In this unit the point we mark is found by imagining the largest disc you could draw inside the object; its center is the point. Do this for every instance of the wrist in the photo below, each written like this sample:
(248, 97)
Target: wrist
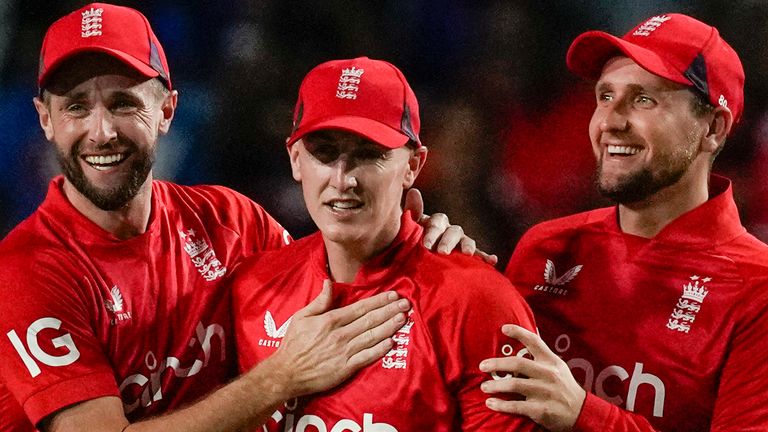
(272, 377)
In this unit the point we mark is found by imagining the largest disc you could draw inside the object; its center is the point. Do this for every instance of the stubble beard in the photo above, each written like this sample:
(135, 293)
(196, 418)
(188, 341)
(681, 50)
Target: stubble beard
(638, 186)
(113, 198)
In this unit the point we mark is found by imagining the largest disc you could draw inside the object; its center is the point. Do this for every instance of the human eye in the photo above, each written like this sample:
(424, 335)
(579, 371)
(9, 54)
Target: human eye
(325, 153)
(644, 100)
(76, 109)
(372, 153)
(604, 96)
(124, 105)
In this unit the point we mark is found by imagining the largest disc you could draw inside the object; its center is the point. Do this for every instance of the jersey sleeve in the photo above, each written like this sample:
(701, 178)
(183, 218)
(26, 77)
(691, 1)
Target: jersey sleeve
(740, 403)
(741, 398)
(245, 299)
(479, 303)
(50, 357)
(258, 229)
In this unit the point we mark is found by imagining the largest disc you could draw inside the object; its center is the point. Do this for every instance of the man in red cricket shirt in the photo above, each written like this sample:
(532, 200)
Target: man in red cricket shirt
(655, 311)
(355, 149)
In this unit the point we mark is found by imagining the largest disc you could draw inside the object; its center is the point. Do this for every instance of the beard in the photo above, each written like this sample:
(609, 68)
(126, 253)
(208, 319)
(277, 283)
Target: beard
(113, 198)
(640, 185)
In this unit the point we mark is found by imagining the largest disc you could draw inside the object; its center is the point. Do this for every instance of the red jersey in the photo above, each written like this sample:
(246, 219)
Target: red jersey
(147, 319)
(431, 379)
(672, 329)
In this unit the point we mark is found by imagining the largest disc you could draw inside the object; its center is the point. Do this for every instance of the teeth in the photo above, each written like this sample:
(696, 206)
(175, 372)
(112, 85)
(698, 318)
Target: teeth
(344, 204)
(104, 160)
(627, 150)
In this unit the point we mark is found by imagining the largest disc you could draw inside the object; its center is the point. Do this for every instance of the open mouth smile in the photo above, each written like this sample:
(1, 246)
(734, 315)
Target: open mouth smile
(105, 162)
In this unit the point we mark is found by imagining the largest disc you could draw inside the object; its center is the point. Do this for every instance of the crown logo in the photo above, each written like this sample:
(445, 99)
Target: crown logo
(651, 25)
(91, 24)
(348, 82)
(349, 73)
(692, 291)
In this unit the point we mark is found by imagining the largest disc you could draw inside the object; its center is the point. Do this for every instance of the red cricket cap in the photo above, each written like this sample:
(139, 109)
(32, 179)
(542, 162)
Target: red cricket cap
(119, 31)
(672, 46)
(367, 97)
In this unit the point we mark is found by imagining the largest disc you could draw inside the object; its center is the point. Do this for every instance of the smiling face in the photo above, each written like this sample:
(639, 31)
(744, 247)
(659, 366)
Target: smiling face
(353, 187)
(644, 132)
(104, 120)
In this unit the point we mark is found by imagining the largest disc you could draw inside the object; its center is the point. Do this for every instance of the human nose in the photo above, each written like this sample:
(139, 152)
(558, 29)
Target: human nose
(101, 129)
(613, 117)
(343, 175)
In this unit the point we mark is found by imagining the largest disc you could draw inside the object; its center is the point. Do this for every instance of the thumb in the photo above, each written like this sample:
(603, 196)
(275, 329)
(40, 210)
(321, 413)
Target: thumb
(321, 303)
(414, 203)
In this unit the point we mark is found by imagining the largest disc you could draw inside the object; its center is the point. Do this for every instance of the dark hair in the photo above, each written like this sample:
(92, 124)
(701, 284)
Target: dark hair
(700, 104)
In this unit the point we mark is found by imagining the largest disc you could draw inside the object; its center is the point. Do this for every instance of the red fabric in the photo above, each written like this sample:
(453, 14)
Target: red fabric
(629, 329)
(431, 382)
(141, 318)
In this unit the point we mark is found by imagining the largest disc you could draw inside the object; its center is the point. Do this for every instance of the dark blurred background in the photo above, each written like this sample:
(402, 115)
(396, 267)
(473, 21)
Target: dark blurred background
(505, 123)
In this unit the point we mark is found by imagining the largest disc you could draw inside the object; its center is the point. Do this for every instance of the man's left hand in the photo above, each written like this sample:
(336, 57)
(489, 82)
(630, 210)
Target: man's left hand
(552, 397)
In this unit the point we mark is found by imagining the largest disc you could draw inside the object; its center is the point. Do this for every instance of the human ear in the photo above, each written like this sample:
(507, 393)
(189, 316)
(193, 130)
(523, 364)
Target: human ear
(415, 163)
(718, 128)
(44, 116)
(293, 155)
(168, 109)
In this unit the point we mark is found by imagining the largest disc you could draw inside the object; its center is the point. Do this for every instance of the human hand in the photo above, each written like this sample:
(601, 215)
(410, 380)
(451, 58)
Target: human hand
(324, 346)
(553, 398)
(439, 231)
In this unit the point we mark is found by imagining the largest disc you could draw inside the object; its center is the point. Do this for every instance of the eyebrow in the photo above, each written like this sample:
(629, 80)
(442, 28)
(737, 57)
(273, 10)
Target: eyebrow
(635, 88)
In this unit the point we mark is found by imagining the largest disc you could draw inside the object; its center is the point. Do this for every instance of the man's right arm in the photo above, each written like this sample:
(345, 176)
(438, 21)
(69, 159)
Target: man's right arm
(321, 349)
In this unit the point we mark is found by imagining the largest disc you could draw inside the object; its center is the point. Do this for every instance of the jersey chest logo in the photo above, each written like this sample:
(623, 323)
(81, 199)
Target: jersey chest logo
(116, 305)
(274, 333)
(689, 304)
(397, 357)
(554, 284)
(202, 255)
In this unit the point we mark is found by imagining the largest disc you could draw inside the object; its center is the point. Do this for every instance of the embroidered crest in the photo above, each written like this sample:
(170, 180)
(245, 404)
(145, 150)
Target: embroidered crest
(397, 357)
(555, 284)
(651, 25)
(91, 24)
(349, 82)
(689, 304)
(202, 255)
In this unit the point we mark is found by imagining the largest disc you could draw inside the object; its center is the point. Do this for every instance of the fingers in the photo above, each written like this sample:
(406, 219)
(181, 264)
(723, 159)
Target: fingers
(361, 308)
(434, 227)
(510, 407)
(468, 245)
(522, 386)
(518, 366)
(369, 355)
(321, 303)
(489, 259)
(450, 239)
(415, 204)
(376, 325)
(532, 341)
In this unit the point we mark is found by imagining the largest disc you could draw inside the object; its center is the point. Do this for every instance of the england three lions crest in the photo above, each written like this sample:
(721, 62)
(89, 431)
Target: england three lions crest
(202, 255)
(689, 304)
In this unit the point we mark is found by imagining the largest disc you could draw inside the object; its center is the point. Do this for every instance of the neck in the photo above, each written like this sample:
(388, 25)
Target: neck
(126, 222)
(648, 217)
(346, 259)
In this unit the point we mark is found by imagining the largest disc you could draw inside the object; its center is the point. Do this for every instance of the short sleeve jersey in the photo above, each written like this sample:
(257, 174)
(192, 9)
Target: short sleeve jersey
(431, 379)
(672, 329)
(85, 314)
